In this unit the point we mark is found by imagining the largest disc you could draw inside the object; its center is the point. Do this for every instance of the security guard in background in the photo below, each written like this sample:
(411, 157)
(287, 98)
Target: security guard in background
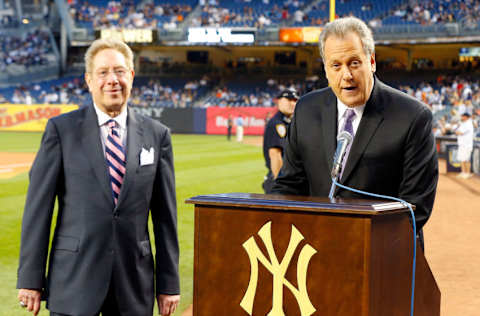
(275, 136)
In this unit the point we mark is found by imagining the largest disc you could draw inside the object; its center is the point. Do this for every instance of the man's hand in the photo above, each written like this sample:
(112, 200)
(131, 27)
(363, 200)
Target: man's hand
(167, 304)
(30, 299)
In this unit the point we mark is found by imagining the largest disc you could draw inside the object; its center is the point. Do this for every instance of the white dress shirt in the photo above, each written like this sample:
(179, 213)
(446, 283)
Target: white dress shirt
(121, 121)
(341, 109)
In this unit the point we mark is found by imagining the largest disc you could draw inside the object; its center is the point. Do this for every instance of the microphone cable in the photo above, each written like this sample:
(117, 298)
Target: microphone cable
(406, 204)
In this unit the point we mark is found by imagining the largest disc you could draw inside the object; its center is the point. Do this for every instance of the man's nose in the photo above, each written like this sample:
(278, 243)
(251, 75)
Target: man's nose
(347, 74)
(112, 77)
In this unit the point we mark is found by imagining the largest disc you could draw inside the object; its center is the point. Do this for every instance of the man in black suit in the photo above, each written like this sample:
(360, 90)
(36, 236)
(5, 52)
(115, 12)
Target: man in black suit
(109, 168)
(393, 151)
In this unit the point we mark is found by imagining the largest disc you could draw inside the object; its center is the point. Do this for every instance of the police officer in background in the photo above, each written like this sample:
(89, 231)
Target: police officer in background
(274, 137)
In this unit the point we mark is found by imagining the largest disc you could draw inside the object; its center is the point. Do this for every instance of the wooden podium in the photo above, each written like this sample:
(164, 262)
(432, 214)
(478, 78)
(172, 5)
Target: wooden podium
(286, 255)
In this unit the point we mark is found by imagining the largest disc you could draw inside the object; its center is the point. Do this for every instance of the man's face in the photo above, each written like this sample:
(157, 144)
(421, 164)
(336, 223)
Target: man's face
(111, 80)
(286, 106)
(349, 70)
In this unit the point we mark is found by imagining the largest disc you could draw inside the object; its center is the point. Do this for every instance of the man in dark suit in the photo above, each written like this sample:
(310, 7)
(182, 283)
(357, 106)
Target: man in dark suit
(393, 150)
(109, 168)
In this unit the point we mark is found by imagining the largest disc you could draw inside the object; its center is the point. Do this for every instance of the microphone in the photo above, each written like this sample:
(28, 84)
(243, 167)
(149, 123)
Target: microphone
(343, 140)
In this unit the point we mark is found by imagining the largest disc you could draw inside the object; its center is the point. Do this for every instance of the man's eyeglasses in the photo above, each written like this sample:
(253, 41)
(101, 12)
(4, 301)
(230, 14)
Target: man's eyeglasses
(118, 72)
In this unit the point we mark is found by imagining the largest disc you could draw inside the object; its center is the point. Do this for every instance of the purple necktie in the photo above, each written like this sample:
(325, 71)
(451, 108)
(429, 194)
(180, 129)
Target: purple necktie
(348, 127)
(115, 156)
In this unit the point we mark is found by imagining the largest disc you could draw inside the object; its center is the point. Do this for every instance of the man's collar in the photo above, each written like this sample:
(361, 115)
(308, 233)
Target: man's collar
(103, 117)
(342, 108)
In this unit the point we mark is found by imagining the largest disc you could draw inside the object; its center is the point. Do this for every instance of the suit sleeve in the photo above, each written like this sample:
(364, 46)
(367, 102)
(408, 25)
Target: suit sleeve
(164, 216)
(420, 170)
(37, 216)
(292, 178)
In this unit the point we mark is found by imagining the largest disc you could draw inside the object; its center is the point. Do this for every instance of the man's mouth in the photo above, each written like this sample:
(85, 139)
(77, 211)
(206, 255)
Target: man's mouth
(350, 88)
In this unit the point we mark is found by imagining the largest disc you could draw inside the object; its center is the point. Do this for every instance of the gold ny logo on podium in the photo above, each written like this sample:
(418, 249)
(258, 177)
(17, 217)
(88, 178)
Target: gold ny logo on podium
(278, 270)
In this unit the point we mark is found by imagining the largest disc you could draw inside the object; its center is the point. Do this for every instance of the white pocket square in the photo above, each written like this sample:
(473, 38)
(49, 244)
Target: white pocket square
(146, 156)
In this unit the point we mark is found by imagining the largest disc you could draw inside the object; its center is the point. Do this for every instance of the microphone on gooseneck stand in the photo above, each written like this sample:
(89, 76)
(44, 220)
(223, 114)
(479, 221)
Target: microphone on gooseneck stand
(343, 140)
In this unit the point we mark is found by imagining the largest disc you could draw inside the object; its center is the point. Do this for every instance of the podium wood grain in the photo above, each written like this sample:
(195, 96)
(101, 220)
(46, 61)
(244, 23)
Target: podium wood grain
(363, 263)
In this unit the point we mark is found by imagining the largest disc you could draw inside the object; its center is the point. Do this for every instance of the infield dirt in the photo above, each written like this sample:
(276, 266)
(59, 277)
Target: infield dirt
(12, 164)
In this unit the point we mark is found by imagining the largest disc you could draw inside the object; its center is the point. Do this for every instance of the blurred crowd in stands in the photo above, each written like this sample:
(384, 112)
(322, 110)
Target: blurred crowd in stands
(259, 13)
(448, 97)
(128, 14)
(263, 13)
(30, 49)
(168, 14)
(145, 92)
(256, 93)
(60, 91)
(430, 12)
(169, 93)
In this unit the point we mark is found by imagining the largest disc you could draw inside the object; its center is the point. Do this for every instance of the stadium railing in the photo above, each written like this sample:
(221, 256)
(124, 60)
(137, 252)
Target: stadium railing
(73, 32)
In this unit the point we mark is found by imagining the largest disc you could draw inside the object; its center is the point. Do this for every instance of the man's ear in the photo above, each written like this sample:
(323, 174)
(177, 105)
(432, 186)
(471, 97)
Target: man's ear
(88, 80)
(373, 63)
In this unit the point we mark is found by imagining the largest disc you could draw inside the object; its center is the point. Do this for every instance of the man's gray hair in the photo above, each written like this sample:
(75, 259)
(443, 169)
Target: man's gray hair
(343, 26)
(101, 44)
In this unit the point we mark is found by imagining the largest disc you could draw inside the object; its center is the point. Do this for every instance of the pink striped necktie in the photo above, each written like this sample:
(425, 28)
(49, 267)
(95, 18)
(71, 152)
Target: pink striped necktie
(115, 156)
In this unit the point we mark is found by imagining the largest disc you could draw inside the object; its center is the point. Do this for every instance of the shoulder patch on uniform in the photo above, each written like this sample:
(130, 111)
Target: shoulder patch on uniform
(281, 130)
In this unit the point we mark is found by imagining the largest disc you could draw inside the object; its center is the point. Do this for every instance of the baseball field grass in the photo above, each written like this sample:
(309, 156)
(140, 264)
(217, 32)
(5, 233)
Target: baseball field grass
(203, 165)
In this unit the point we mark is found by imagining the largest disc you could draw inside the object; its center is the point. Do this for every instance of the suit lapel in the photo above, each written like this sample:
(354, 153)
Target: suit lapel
(371, 119)
(134, 144)
(329, 126)
(92, 147)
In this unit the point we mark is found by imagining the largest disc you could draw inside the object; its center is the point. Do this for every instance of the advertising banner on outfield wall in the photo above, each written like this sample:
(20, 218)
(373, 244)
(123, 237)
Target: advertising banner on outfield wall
(30, 118)
(253, 117)
(188, 121)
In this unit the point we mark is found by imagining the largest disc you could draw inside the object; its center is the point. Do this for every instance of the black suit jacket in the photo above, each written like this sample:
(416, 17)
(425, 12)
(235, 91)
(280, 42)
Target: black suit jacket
(96, 242)
(393, 152)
